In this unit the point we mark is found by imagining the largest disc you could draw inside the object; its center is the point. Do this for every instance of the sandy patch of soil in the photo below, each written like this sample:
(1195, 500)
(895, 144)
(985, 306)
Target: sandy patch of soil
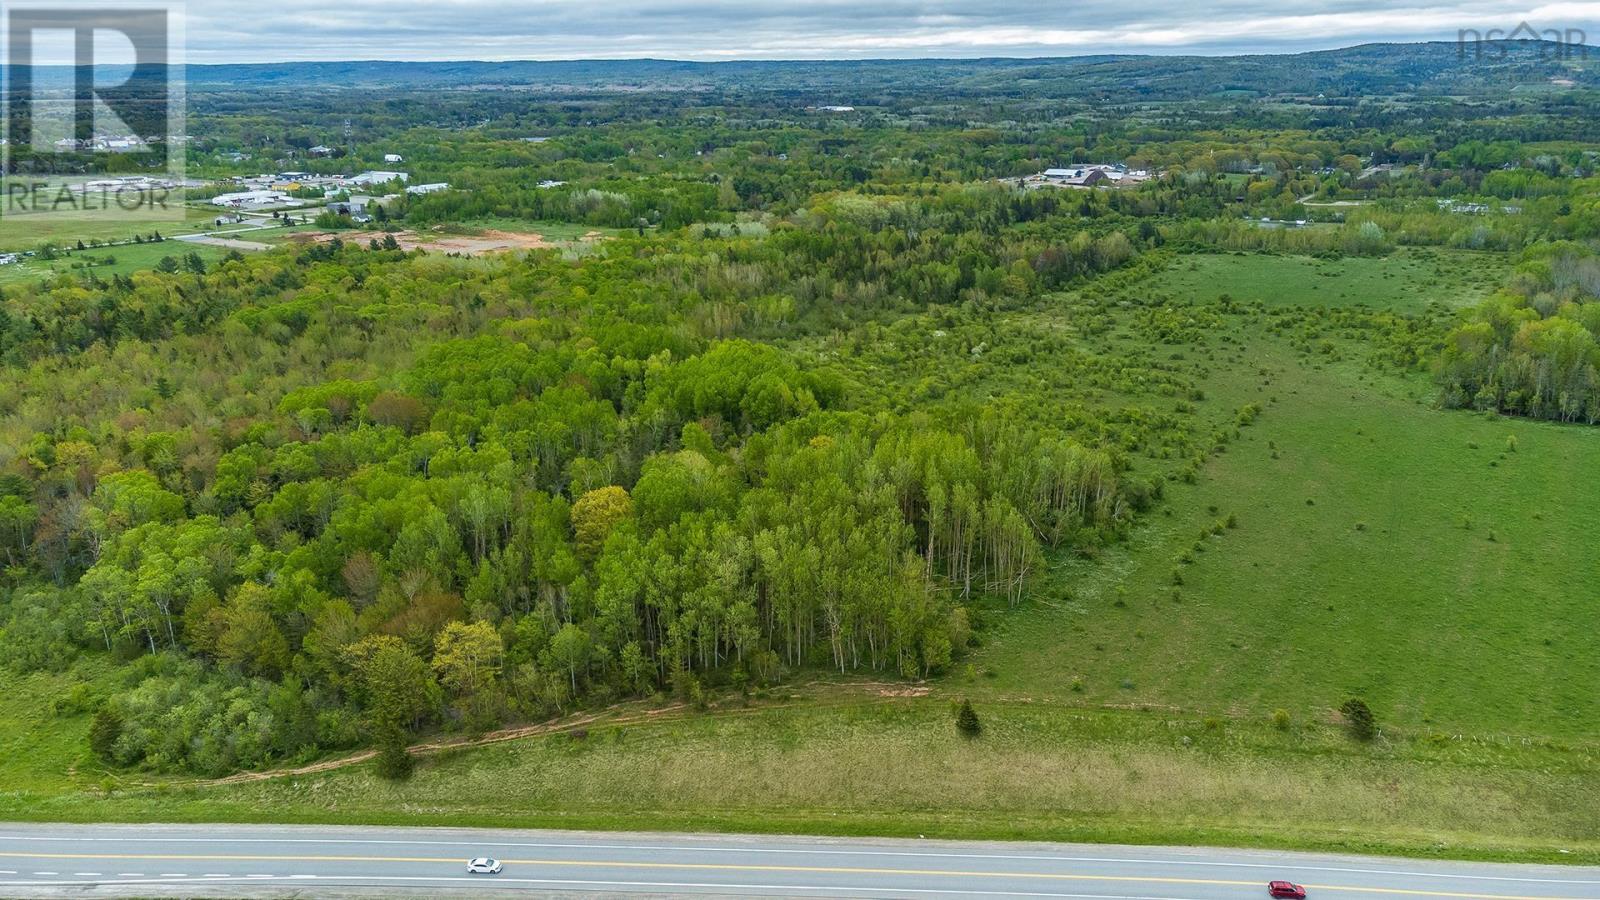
(489, 241)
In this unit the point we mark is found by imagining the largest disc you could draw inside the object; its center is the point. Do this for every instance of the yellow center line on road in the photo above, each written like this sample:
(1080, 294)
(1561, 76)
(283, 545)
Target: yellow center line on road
(748, 867)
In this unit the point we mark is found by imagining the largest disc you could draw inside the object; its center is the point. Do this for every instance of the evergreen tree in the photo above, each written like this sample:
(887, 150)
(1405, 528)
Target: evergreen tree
(967, 720)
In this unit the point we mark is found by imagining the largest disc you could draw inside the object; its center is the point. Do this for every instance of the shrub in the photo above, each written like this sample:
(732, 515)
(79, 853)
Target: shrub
(967, 720)
(80, 698)
(1358, 716)
(104, 732)
(394, 761)
(37, 631)
(1280, 719)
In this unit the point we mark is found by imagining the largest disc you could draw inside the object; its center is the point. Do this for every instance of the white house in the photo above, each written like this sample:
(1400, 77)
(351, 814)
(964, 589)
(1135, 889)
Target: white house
(393, 158)
(428, 188)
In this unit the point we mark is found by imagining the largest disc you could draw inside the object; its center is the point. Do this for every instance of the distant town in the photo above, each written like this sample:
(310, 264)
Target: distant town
(348, 195)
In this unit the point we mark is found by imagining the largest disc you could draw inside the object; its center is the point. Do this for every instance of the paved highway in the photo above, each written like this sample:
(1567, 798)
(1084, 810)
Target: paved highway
(294, 861)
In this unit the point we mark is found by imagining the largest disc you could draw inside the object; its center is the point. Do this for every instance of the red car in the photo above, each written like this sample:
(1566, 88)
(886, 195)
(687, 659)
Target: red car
(1286, 889)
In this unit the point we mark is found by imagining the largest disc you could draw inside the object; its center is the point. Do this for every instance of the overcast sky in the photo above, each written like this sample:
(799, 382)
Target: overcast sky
(252, 31)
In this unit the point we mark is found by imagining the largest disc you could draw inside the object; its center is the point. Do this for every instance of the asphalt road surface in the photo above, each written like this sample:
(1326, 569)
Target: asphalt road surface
(315, 861)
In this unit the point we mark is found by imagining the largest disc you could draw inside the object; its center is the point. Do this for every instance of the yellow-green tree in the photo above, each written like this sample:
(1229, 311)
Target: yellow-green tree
(595, 514)
(467, 657)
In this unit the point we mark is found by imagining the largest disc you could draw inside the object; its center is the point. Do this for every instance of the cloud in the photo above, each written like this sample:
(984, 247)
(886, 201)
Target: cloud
(241, 31)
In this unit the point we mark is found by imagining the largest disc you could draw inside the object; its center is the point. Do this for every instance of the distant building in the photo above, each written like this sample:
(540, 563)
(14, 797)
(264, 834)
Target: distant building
(375, 177)
(1079, 177)
(550, 183)
(428, 188)
(1088, 175)
(320, 150)
(836, 108)
(123, 181)
(354, 206)
(393, 158)
(1117, 176)
(251, 199)
(228, 219)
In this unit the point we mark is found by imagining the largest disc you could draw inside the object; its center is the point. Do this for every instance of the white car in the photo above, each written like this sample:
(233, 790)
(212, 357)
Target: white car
(483, 865)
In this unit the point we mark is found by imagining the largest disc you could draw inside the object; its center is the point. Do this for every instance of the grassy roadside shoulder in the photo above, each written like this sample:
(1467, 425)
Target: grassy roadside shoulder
(896, 766)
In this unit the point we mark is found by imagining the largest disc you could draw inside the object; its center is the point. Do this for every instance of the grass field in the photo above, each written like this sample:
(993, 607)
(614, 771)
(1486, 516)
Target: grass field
(40, 750)
(129, 258)
(1436, 563)
(1406, 280)
(1420, 558)
(1432, 562)
(27, 232)
(1383, 549)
